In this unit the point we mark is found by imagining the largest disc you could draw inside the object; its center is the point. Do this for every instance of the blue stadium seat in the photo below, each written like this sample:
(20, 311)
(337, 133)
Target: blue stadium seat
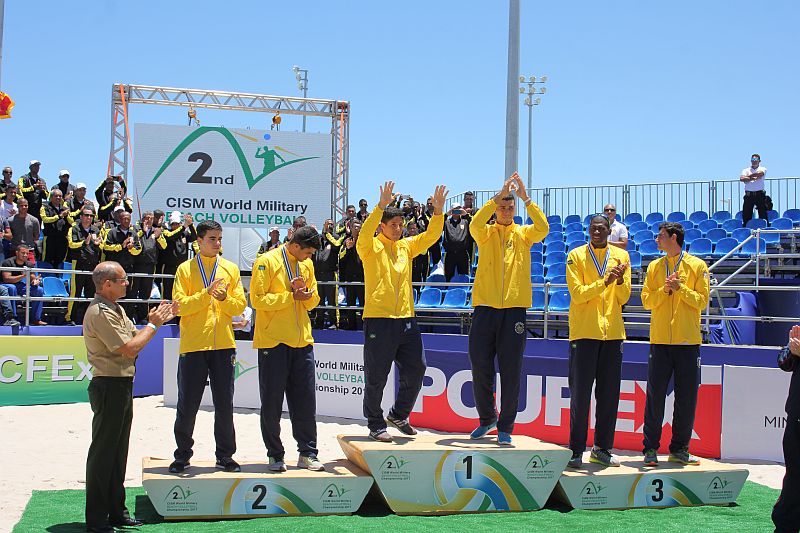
(687, 224)
(517, 220)
(537, 279)
(782, 223)
(636, 259)
(559, 280)
(698, 216)
(690, 235)
(554, 236)
(416, 295)
(537, 269)
(731, 224)
(750, 248)
(555, 257)
(537, 247)
(644, 235)
(559, 301)
(631, 218)
(556, 246)
(707, 225)
(45, 264)
(54, 287)
(655, 227)
(649, 249)
(572, 219)
(771, 238)
(528, 221)
(573, 227)
(455, 298)
(738, 216)
(631, 245)
(722, 216)
(537, 257)
(436, 278)
(66, 275)
(676, 216)
(575, 236)
(638, 226)
(459, 278)
(575, 244)
(724, 246)
(538, 300)
(654, 217)
(740, 234)
(772, 215)
(556, 227)
(793, 215)
(701, 247)
(716, 234)
(586, 220)
(430, 297)
(557, 269)
(755, 223)
(554, 219)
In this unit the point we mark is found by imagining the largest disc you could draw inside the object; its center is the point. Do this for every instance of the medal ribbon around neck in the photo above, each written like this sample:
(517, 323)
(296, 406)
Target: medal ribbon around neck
(206, 280)
(677, 264)
(289, 268)
(601, 271)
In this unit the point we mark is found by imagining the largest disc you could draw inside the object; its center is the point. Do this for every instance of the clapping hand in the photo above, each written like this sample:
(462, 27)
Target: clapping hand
(387, 195)
(298, 283)
(302, 294)
(164, 312)
(794, 340)
(218, 289)
(519, 187)
(672, 283)
(508, 186)
(439, 196)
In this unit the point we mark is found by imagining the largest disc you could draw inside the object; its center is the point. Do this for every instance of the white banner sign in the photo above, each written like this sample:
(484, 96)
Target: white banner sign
(339, 378)
(753, 415)
(247, 180)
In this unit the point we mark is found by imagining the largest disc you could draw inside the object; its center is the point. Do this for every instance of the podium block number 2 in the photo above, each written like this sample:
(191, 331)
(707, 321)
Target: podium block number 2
(261, 490)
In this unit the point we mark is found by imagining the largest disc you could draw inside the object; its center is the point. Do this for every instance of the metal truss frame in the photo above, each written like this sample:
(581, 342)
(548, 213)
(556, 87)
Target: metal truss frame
(123, 95)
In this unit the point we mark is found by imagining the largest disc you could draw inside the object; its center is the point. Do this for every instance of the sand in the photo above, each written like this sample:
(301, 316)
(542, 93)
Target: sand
(45, 447)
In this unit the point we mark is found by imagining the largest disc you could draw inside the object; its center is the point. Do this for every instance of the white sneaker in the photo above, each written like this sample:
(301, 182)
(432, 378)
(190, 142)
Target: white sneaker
(310, 462)
(276, 466)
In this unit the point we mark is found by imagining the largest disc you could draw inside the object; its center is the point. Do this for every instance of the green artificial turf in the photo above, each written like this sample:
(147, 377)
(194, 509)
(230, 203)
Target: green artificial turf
(61, 511)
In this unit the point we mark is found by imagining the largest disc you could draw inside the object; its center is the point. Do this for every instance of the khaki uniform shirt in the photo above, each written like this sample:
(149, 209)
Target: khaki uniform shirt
(106, 327)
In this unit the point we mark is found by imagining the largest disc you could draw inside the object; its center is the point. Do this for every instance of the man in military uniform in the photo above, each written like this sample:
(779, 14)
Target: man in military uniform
(57, 222)
(84, 254)
(34, 189)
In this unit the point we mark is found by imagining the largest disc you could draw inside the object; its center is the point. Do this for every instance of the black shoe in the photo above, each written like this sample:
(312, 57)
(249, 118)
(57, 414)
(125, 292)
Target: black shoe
(402, 425)
(101, 529)
(178, 466)
(126, 522)
(227, 464)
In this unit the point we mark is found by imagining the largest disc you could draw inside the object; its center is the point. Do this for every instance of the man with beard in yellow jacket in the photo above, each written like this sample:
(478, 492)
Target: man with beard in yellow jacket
(208, 289)
(599, 283)
(391, 333)
(282, 291)
(501, 296)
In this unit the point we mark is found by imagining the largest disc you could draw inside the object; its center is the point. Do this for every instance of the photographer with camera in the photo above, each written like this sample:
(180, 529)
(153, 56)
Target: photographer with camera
(457, 243)
(110, 194)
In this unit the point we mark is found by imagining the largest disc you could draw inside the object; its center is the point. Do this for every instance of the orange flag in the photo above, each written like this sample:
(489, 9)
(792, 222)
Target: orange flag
(6, 104)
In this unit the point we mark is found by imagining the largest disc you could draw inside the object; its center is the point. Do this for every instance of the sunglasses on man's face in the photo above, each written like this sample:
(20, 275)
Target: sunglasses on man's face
(609, 209)
(755, 159)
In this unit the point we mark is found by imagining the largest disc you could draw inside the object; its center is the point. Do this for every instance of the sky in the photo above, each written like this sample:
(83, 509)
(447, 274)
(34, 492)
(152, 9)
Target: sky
(638, 92)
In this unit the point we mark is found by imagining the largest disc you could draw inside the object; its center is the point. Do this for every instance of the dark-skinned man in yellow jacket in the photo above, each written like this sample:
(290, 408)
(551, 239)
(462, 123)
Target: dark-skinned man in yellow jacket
(282, 291)
(675, 290)
(208, 289)
(599, 283)
(391, 333)
(501, 295)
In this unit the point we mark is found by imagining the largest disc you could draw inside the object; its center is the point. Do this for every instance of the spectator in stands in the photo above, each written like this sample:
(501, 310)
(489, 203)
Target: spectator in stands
(501, 296)
(7, 174)
(599, 283)
(619, 233)
(180, 235)
(111, 194)
(14, 280)
(84, 254)
(34, 189)
(351, 270)
(22, 227)
(243, 323)
(754, 193)
(297, 223)
(326, 265)
(8, 207)
(57, 222)
(676, 291)
(363, 213)
(8, 307)
(67, 189)
(457, 243)
(423, 221)
(78, 201)
(122, 244)
(786, 513)
(273, 242)
(151, 240)
(421, 265)
(469, 205)
(341, 226)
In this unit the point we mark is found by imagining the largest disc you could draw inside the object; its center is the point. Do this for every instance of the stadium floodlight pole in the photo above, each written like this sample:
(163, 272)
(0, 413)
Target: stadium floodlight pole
(530, 101)
(302, 83)
(512, 100)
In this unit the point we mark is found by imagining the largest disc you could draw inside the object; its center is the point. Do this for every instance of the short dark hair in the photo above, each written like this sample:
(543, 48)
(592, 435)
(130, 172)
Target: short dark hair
(602, 216)
(206, 226)
(158, 213)
(350, 206)
(673, 228)
(469, 193)
(299, 222)
(391, 212)
(755, 155)
(23, 244)
(508, 197)
(306, 237)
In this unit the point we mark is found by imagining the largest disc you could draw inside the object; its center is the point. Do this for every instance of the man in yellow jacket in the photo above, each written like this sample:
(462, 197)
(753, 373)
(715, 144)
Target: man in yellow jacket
(675, 290)
(282, 291)
(390, 329)
(501, 295)
(208, 289)
(599, 283)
